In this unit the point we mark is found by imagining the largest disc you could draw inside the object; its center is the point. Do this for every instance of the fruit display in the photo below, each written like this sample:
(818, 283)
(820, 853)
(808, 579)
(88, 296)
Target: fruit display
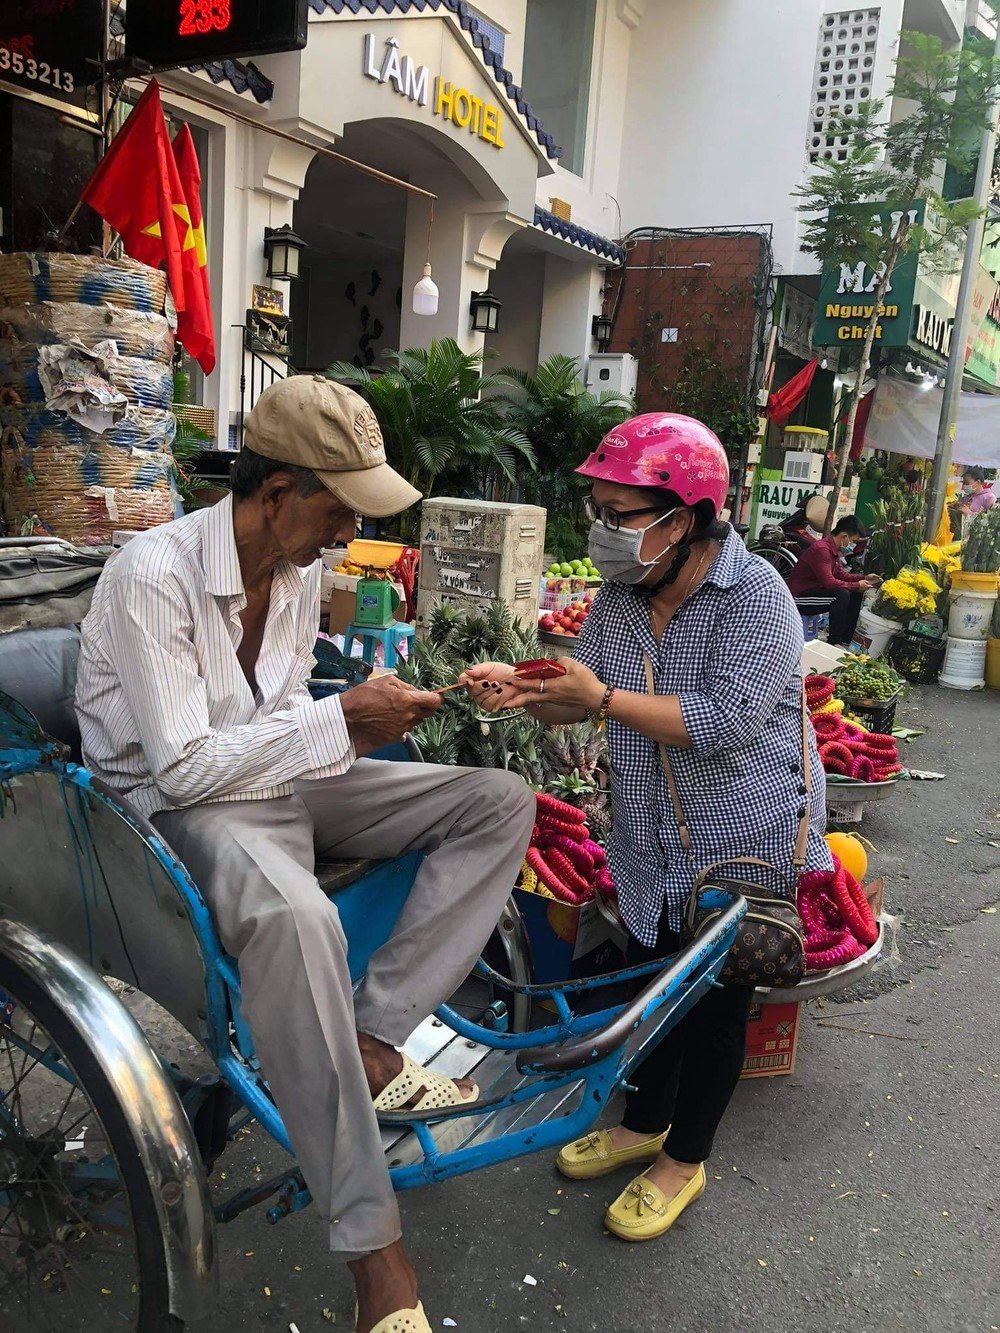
(838, 919)
(563, 861)
(846, 748)
(568, 621)
(859, 677)
(573, 569)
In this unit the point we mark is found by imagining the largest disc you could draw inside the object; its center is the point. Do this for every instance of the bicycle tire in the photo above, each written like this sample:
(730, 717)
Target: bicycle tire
(154, 1298)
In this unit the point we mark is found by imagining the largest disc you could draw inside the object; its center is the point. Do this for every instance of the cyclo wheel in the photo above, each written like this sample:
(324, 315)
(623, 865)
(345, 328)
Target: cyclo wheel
(80, 1237)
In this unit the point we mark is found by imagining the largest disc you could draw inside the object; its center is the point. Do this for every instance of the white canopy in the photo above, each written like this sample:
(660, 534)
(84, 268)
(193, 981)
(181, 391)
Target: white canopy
(904, 420)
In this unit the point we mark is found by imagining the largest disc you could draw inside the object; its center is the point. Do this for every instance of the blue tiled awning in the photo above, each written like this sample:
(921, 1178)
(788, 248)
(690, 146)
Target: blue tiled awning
(470, 23)
(587, 240)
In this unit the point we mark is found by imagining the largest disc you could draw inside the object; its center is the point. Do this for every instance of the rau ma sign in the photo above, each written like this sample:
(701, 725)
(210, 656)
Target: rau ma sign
(846, 301)
(414, 82)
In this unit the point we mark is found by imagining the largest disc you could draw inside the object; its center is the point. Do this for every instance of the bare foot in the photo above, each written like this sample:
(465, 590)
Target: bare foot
(671, 1176)
(385, 1283)
(383, 1063)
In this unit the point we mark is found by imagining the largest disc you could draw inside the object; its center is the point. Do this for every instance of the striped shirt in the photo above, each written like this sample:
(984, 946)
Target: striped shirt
(731, 654)
(167, 717)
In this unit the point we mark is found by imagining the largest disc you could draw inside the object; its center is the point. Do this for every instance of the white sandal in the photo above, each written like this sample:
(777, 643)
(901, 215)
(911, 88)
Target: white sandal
(403, 1321)
(439, 1091)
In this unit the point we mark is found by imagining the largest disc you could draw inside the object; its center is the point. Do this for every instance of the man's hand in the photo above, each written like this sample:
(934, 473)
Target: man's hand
(383, 710)
(872, 581)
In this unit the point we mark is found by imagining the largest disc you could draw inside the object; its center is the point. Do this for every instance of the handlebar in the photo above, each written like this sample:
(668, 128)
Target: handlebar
(595, 1046)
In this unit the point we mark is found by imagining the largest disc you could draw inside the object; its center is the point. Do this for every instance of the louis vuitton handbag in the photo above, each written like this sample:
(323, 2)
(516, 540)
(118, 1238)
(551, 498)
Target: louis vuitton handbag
(769, 948)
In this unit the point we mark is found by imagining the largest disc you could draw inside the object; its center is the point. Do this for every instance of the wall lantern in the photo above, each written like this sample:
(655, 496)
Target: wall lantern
(485, 311)
(282, 250)
(601, 329)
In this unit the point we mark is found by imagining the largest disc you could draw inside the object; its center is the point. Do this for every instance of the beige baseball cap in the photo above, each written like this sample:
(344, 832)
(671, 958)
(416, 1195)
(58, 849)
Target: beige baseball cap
(313, 422)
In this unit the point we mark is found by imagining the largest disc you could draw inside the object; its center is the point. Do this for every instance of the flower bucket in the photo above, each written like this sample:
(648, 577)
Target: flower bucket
(872, 634)
(971, 610)
(992, 663)
(964, 665)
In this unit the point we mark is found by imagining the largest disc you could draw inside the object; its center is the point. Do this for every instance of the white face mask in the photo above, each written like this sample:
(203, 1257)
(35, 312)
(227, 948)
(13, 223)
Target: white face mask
(616, 554)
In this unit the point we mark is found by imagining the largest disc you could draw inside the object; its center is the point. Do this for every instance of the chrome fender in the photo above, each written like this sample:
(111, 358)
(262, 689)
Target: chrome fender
(160, 1129)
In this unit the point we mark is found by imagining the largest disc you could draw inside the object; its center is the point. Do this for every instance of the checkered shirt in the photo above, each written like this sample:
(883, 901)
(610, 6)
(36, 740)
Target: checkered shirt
(732, 655)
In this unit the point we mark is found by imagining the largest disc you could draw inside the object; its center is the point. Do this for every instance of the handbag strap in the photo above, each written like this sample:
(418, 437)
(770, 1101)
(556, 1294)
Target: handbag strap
(802, 837)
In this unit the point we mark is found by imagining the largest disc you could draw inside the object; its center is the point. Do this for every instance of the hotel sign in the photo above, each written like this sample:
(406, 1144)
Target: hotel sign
(846, 305)
(463, 108)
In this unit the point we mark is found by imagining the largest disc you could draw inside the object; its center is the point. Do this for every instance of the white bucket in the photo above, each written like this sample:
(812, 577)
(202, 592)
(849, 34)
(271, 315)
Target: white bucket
(872, 634)
(970, 614)
(964, 665)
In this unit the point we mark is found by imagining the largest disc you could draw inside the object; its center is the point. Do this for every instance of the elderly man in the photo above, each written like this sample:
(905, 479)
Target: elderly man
(193, 704)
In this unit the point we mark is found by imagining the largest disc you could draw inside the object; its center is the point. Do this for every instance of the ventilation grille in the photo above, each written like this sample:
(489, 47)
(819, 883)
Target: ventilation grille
(845, 64)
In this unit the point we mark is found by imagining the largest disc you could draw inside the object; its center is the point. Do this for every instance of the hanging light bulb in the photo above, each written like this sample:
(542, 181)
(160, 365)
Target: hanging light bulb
(425, 294)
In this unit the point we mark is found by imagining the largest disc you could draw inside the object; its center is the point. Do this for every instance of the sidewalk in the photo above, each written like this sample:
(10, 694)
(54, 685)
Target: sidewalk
(858, 1195)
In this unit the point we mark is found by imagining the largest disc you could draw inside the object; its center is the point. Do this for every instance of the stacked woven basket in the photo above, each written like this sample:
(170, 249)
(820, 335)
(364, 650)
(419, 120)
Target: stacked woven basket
(59, 477)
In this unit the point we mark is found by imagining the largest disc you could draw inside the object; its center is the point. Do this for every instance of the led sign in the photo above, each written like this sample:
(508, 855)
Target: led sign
(167, 33)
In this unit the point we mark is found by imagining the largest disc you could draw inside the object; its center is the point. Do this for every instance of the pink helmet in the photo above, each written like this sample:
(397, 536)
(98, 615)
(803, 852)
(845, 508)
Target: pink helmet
(664, 451)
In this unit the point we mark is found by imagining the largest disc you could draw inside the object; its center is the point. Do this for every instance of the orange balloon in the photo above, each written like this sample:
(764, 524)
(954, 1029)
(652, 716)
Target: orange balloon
(850, 852)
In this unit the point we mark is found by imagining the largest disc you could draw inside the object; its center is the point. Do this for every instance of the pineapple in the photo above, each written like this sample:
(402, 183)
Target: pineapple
(444, 620)
(501, 628)
(438, 738)
(471, 642)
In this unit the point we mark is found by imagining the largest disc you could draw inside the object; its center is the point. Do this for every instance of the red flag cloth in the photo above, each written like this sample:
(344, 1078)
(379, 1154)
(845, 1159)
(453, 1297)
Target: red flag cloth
(782, 404)
(194, 323)
(137, 190)
(861, 425)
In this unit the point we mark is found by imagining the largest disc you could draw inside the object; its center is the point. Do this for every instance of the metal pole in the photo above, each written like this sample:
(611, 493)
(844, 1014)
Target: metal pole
(963, 312)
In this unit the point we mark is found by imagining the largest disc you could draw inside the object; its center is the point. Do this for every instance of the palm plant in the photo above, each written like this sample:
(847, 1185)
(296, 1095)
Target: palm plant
(563, 422)
(440, 419)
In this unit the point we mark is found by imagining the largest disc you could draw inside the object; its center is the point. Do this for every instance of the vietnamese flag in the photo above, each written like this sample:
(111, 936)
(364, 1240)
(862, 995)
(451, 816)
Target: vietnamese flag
(194, 323)
(137, 190)
(782, 404)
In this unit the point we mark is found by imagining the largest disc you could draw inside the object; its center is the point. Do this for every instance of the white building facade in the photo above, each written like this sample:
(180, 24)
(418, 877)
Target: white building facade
(546, 130)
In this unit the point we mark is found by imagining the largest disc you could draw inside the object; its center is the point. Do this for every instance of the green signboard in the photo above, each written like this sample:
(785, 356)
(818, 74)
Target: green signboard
(846, 296)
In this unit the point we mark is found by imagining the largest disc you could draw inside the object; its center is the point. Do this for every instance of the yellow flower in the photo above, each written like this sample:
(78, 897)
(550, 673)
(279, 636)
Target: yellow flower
(907, 575)
(900, 594)
(924, 581)
(932, 554)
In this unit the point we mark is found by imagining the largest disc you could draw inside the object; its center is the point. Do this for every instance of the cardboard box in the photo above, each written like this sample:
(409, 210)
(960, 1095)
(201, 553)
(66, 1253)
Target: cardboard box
(875, 893)
(567, 942)
(772, 1038)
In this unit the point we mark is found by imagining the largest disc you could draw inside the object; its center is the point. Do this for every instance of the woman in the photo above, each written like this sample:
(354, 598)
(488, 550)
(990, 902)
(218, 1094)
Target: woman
(722, 635)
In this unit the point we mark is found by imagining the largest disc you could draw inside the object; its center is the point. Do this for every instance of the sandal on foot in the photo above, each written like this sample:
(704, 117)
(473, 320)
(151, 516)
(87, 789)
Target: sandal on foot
(594, 1155)
(643, 1211)
(404, 1321)
(438, 1091)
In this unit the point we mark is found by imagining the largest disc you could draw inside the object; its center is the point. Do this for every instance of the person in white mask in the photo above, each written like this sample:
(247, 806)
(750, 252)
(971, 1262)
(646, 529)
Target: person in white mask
(686, 609)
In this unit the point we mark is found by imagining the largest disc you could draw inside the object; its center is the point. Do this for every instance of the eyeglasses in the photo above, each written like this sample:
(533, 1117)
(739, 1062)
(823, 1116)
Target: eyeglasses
(612, 518)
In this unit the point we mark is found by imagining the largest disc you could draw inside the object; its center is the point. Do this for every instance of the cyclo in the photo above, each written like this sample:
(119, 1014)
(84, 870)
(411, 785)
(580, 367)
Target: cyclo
(106, 1146)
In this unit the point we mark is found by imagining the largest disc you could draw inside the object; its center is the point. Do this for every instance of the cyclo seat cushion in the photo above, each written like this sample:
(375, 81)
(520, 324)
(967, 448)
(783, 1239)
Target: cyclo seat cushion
(38, 669)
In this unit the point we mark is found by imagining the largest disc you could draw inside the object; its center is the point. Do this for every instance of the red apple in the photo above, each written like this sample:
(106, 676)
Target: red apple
(546, 622)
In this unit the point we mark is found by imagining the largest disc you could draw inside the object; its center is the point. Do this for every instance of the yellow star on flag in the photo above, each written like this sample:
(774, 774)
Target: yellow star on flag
(194, 239)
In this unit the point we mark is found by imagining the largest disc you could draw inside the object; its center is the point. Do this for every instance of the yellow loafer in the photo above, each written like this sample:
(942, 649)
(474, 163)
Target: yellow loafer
(594, 1156)
(644, 1212)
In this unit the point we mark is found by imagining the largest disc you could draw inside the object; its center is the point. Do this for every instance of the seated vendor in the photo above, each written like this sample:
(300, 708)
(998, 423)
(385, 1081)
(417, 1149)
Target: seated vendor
(193, 704)
(821, 572)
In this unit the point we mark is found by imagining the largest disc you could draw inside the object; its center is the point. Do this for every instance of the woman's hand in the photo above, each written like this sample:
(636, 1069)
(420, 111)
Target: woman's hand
(491, 685)
(494, 686)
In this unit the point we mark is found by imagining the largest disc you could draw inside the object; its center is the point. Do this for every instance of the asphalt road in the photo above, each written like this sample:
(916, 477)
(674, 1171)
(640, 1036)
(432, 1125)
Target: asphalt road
(858, 1195)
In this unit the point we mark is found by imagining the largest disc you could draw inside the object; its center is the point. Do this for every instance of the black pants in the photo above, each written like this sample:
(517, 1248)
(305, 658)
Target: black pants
(689, 1078)
(843, 613)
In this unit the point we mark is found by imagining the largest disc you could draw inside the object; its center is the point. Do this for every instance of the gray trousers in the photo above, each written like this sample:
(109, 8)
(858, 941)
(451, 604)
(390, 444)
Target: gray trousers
(254, 863)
